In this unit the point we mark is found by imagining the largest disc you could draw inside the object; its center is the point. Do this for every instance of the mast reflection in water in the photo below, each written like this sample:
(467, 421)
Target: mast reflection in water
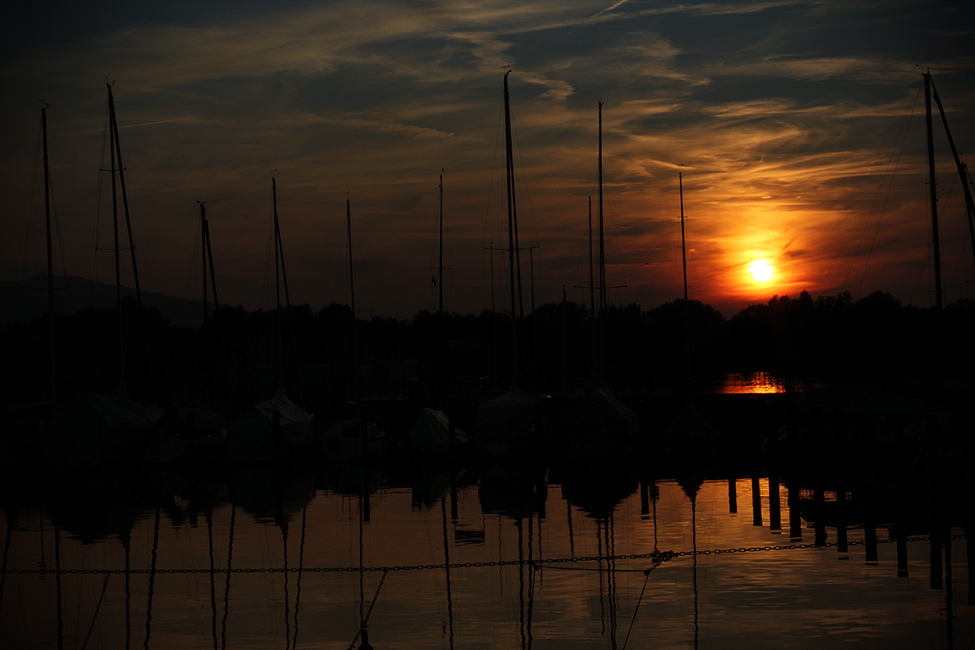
(261, 559)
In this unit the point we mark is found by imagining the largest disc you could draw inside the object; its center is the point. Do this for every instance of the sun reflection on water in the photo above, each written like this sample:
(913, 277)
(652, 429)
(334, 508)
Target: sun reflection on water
(751, 383)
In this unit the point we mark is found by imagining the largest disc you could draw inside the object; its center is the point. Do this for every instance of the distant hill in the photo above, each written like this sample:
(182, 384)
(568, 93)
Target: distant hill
(23, 300)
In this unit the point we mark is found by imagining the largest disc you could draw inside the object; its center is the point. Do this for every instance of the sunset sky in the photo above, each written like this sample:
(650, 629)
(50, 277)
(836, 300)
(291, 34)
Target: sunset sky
(799, 127)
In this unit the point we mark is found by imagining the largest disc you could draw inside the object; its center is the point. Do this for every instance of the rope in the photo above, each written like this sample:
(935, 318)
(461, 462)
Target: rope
(873, 242)
(95, 617)
(152, 579)
(226, 591)
(446, 557)
(639, 600)
(301, 564)
(664, 556)
(365, 619)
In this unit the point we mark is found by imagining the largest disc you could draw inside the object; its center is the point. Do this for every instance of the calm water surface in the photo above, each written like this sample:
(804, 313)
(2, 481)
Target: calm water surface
(460, 559)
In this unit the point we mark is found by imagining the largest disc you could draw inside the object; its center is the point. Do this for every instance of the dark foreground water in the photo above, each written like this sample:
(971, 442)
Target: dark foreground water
(462, 558)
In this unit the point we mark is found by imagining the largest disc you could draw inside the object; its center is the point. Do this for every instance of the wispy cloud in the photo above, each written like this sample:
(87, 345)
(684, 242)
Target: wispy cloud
(783, 114)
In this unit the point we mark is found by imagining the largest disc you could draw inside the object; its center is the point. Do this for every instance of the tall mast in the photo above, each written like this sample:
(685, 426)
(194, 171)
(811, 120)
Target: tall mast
(440, 265)
(592, 279)
(440, 319)
(117, 153)
(934, 192)
(513, 267)
(686, 306)
(602, 248)
(600, 347)
(348, 224)
(683, 246)
(277, 249)
(513, 248)
(50, 250)
(278, 276)
(203, 244)
(118, 271)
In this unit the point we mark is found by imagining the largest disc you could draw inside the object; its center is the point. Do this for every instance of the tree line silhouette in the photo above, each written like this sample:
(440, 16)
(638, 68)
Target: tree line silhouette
(328, 356)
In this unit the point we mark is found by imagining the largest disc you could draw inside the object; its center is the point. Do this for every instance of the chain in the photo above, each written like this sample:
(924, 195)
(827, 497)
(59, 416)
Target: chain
(660, 556)
(413, 567)
(755, 549)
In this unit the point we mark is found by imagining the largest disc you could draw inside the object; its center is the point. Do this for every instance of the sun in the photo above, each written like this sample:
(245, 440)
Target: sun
(761, 270)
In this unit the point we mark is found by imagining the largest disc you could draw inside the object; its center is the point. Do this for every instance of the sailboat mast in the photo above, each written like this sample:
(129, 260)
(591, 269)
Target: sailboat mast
(683, 246)
(203, 244)
(50, 250)
(934, 192)
(278, 265)
(513, 247)
(686, 306)
(47, 216)
(602, 248)
(513, 267)
(601, 352)
(440, 265)
(440, 319)
(113, 124)
(118, 271)
(348, 225)
(592, 279)
(277, 244)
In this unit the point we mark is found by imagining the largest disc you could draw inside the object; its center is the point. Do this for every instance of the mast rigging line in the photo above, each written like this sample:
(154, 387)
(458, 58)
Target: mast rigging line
(524, 180)
(961, 167)
(94, 617)
(895, 157)
(99, 193)
(365, 619)
(114, 138)
(639, 600)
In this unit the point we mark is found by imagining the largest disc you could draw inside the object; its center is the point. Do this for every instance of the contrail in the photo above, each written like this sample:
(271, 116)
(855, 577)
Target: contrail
(621, 2)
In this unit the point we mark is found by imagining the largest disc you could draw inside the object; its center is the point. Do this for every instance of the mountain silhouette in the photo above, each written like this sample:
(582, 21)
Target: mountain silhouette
(23, 300)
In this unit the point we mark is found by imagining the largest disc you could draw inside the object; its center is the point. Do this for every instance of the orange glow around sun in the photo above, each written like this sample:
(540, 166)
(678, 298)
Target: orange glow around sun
(761, 271)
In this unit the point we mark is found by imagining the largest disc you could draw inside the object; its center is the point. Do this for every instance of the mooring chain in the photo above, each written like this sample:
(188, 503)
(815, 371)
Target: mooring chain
(662, 556)
(780, 547)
